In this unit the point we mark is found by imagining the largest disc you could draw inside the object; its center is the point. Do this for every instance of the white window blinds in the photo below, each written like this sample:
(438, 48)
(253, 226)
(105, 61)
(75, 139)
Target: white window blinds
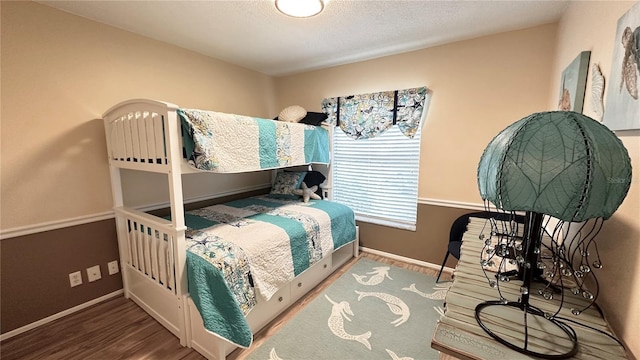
(378, 177)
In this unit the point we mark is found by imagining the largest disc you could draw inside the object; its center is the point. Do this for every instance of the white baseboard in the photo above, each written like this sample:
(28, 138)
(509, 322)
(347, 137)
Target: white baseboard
(59, 315)
(407, 260)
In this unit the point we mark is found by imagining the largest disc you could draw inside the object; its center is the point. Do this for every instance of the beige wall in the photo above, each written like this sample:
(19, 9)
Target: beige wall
(479, 87)
(60, 72)
(592, 26)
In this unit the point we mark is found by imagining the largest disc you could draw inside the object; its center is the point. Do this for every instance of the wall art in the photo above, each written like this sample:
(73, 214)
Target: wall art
(573, 83)
(622, 109)
(597, 91)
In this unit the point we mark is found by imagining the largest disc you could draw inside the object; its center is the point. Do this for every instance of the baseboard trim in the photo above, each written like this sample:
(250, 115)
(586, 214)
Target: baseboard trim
(59, 315)
(406, 259)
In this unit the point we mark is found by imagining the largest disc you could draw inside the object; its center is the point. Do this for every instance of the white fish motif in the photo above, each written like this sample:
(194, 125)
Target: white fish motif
(439, 294)
(377, 276)
(396, 357)
(396, 305)
(336, 323)
(273, 355)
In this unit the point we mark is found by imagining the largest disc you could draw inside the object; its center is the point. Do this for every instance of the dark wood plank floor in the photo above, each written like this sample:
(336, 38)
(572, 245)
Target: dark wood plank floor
(119, 329)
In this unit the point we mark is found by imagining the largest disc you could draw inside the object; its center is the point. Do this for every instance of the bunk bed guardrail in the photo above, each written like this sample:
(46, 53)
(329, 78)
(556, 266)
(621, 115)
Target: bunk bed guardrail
(150, 246)
(137, 133)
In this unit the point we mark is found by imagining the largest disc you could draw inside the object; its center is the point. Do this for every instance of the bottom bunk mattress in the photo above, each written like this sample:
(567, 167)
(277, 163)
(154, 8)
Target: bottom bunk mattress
(249, 248)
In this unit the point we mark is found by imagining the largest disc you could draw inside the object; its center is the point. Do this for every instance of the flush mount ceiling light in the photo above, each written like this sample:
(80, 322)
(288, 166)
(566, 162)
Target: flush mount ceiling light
(300, 8)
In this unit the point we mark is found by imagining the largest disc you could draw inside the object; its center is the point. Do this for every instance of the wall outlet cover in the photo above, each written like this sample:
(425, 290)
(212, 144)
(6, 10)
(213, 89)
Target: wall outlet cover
(93, 273)
(75, 278)
(113, 267)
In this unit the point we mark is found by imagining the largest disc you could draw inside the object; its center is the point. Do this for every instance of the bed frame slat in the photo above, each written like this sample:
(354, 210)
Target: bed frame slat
(151, 141)
(160, 140)
(135, 137)
(142, 137)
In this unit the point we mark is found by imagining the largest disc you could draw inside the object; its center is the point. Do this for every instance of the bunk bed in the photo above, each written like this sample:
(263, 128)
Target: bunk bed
(206, 274)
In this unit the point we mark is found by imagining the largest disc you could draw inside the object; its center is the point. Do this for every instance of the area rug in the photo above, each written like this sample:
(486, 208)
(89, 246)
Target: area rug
(373, 311)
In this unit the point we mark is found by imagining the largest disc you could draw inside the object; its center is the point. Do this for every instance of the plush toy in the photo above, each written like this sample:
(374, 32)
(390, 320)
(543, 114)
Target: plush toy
(307, 193)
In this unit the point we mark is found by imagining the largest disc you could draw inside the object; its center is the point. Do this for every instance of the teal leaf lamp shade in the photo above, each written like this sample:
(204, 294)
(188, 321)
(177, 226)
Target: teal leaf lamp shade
(556, 164)
(560, 163)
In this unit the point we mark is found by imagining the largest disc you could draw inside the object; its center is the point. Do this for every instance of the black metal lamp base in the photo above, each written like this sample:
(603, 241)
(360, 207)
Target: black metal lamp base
(571, 334)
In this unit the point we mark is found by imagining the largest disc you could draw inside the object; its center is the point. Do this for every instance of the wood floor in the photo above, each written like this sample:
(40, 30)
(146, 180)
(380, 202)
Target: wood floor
(119, 329)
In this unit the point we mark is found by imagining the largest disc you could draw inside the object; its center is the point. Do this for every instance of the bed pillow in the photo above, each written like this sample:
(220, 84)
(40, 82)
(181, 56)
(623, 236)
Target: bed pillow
(293, 113)
(315, 178)
(313, 118)
(287, 181)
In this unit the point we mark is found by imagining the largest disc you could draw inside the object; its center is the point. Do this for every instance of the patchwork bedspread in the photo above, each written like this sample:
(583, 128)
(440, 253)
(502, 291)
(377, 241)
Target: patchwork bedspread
(250, 248)
(220, 142)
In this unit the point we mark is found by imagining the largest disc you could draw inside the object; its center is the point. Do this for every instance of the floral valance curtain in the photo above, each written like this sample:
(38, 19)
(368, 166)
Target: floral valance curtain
(369, 115)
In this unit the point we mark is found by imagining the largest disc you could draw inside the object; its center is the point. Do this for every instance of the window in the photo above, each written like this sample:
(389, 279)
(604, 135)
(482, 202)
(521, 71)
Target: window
(378, 177)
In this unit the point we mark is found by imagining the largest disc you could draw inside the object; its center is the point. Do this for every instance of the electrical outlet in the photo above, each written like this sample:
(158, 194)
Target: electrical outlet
(113, 267)
(93, 273)
(75, 278)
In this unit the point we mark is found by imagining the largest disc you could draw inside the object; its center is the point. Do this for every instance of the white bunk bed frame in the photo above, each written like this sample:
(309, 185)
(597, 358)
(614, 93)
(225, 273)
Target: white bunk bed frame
(145, 135)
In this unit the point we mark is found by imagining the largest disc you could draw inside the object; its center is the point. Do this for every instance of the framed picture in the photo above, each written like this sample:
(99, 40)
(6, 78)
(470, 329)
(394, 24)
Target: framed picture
(573, 83)
(622, 109)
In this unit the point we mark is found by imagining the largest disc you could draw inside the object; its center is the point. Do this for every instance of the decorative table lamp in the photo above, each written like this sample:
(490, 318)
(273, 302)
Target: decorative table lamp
(557, 166)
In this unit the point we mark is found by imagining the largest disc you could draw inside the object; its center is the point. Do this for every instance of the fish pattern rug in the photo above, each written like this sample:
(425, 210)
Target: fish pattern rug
(373, 311)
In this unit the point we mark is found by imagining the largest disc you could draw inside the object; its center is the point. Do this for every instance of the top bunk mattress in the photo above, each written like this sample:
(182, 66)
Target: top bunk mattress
(229, 143)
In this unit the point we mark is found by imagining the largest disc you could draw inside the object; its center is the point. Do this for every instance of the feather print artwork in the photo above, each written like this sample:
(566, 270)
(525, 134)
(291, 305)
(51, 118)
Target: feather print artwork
(635, 46)
(629, 63)
(597, 91)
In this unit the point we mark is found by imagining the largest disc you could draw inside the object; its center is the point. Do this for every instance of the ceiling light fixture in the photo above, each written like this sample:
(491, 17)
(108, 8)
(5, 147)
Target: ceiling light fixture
(300, 8)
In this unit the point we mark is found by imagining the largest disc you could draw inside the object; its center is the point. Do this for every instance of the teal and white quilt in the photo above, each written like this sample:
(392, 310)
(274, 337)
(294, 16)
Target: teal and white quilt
(228, 143)
(250, 248)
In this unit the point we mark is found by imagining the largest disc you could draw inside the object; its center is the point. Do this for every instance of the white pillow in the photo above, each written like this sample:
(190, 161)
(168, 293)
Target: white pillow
(293, 113)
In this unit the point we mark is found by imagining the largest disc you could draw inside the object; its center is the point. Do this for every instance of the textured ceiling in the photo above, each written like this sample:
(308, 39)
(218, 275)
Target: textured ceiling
(253, 34)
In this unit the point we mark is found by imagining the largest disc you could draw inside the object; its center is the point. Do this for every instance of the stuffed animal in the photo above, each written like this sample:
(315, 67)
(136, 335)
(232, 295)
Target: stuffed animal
(307, 193)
